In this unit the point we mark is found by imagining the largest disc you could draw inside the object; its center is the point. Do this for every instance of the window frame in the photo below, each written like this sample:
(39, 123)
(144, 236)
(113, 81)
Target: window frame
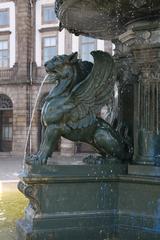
(5, 10)
(7, 132)
(42, 40)
(42, 15)
(81, 43)
(8, 40)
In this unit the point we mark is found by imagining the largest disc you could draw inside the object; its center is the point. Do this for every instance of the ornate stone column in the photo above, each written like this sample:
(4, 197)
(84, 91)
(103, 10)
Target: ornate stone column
(141, 41)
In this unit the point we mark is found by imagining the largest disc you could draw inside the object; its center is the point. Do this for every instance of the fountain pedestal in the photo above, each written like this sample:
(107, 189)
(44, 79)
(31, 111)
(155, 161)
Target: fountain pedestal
(70, 202)
(90, 202)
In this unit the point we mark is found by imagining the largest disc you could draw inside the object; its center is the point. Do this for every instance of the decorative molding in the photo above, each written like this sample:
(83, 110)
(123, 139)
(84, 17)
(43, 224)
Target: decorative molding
(129, 35)
(6, 32)
(28, 191)
(127, 71)
(138, 3)
(150, 72)
(48, 29)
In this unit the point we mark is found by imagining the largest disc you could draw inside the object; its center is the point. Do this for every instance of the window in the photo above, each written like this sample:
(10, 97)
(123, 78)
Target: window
(7, 132)
(4, 17)
(87, 45)
(49, 48)
(48, 14)
(6, 123)
(4, 53)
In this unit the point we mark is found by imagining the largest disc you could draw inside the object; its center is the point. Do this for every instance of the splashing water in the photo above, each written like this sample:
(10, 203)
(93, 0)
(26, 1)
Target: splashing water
(31, 120)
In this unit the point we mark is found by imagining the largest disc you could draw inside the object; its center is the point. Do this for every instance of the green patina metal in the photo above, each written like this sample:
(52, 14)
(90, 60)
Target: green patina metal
(70, 110)
(89, 202)
(103, 19)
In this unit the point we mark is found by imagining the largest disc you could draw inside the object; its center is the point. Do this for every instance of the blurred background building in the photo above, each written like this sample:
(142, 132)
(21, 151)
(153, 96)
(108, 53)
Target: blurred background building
(29, 36)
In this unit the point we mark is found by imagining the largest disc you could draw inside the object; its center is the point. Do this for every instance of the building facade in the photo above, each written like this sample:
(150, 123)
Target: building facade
(29, 36)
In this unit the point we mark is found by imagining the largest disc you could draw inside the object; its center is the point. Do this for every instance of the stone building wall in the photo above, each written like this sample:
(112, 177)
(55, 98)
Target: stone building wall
(17, 94)
(14, 82)
(21, 82)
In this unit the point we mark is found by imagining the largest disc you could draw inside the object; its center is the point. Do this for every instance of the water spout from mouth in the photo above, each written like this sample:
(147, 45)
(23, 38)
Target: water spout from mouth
(31, 120)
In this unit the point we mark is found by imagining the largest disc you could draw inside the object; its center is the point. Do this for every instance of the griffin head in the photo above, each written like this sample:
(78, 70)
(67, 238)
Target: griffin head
(61, 67)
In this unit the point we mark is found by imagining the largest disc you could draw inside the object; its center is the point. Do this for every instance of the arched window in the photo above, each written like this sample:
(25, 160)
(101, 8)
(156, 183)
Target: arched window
(5, 102)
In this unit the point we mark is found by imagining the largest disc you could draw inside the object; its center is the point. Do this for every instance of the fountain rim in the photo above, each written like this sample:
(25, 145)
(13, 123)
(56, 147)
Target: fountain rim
(63, 8)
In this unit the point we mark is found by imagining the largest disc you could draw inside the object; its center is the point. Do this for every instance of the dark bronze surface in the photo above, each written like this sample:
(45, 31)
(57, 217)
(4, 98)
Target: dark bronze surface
(103, 18)
(70, 110)
(86, 202)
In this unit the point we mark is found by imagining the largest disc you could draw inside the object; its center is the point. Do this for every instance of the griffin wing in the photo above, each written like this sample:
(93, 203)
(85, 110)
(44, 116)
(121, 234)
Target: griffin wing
(90, 95)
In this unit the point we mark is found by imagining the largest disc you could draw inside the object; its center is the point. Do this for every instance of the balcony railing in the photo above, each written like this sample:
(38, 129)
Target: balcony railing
(10, 75)
(7, 74)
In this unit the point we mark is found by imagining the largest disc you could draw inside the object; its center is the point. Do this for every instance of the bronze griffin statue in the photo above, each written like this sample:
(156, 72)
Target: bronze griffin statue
(71, 107)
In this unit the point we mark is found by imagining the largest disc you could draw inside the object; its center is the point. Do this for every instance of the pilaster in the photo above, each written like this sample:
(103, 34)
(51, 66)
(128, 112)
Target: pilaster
(141, 45)
(23, 39)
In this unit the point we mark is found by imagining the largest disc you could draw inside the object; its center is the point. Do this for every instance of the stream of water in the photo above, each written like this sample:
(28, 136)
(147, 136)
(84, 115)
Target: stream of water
(32, 116)
(12, 203)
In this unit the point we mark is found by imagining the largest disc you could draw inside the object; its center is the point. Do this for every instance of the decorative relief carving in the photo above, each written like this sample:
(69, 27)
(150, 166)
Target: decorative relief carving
(28, 192)
(150, 73)
(138, 3)
(143, 37)
(128, 71)
(137, 37)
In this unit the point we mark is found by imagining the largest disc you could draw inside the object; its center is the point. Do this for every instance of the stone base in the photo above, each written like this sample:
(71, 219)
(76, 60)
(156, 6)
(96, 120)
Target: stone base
(144, 170)
(138, 208)
(89, 202)
(75, 201)
(131, 233)
(87, 227)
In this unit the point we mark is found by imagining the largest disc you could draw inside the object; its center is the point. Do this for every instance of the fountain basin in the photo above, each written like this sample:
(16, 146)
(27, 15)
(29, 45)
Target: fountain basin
(12, 205)
(104, 19)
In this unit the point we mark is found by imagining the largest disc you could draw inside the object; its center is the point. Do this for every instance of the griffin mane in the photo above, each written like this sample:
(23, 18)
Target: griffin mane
(66, 71)
(81, 69)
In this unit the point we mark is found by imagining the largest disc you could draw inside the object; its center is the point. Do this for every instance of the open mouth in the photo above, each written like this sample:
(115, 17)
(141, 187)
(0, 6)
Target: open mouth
(50, 71)
(53, 72)
(52, 78)
(52, 75)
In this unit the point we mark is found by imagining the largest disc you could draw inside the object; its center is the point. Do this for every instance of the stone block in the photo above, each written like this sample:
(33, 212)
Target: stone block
(69, 202)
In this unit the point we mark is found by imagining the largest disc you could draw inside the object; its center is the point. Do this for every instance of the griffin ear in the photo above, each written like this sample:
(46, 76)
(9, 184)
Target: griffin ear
(73, 58)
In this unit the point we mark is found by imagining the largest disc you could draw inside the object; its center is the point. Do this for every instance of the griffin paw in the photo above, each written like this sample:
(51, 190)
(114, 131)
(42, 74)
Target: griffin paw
(34, 160)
